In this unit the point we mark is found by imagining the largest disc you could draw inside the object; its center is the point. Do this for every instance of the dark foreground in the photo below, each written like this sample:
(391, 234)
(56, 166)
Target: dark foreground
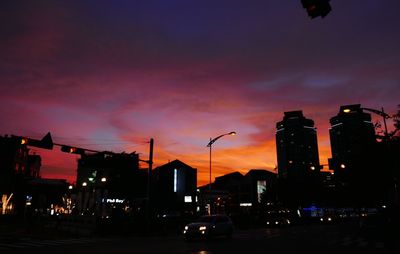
(346, 237)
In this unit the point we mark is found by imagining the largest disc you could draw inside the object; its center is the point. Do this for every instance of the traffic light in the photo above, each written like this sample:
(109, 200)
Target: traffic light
(46, 142)
(71, 149)
(316, 8)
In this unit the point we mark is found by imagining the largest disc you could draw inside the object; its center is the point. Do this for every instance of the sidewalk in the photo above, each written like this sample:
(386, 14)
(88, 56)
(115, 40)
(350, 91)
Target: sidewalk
(13, 227)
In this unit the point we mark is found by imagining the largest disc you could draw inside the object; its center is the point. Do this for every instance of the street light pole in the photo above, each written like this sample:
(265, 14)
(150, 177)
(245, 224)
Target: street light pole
(383, 115)
(212, 140)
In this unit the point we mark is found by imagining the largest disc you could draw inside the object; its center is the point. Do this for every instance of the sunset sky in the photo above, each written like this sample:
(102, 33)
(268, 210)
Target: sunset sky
(110, 75)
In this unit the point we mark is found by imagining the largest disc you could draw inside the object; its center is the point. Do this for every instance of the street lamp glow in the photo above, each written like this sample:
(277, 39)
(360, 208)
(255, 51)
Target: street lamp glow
(84, 184)
(103, 179)
(212, 140)
(70, 187)
(342, 165)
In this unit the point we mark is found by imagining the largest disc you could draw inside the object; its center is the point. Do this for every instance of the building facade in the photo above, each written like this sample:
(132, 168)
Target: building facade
(110, 184)
(354, 156)
(298, 160)
(174, 189)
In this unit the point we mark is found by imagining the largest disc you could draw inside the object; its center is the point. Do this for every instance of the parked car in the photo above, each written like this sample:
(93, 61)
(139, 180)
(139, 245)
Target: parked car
(209, 226)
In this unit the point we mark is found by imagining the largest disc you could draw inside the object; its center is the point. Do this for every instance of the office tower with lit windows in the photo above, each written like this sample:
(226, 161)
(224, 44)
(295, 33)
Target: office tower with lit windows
(354, 157)
(352, 137)
(298, 160)
(297, 147)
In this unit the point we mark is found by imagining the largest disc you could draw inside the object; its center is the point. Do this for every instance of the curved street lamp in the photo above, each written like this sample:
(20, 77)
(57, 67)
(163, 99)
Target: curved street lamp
(381, 113)
(212, 141)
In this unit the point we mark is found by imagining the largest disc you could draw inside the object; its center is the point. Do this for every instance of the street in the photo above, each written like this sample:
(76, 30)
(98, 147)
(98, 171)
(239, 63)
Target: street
(293, 239)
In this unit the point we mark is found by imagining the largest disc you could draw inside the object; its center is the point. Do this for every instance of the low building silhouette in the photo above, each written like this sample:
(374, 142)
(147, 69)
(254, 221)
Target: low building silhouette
(110, 184)
(237, 194)
(174, 189)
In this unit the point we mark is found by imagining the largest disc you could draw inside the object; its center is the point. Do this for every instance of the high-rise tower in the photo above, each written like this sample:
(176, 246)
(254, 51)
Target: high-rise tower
(358, 176)
(298, 161)
(297, 147)
(352, 137)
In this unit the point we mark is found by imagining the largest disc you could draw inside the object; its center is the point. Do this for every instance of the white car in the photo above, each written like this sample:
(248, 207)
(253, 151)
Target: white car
(209, 226)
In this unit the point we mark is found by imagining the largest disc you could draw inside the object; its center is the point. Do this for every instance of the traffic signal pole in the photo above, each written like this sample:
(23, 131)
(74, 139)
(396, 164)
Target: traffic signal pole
(150, 162)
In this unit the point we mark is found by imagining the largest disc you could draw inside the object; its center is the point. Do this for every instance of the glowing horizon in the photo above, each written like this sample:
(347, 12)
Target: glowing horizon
(110, 76)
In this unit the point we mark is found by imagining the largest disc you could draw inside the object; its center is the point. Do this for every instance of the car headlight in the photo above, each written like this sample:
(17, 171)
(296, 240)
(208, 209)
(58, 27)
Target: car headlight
(186, 227)
(201, 228)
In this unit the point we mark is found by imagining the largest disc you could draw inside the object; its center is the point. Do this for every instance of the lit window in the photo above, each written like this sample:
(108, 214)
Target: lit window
(175, 180)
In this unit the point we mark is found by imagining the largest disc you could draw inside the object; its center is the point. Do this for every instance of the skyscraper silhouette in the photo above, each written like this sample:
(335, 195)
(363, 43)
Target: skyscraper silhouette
(298, 160)
(354, 158)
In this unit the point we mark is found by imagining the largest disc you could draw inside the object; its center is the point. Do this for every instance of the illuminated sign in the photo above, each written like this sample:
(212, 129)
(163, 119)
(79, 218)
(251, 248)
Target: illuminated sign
(114, 200)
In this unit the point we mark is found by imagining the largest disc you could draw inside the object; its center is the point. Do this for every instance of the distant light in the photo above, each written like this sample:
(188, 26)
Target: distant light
(188, 199)
(233, 133)
(342, 165)
(384, 206)
(246, 204)
(103, 179)
(70, 187)
(84, 184)
(312, 168)
(201, 228)
(346, 110)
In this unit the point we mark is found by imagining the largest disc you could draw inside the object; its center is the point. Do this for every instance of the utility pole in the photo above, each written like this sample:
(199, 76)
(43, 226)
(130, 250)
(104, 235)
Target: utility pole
(150, 162)
(148, 204)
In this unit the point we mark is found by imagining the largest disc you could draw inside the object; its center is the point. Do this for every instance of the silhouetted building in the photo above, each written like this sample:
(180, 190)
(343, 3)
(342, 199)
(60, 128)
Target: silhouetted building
(259, 182)
(46, 196)
(14, 170)
(297, 147)
(175, 188)
(235, 193)
(298, 161)
(328, 189)
(110, 184)
(33, 167)
(354, 156)
(13, 157)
